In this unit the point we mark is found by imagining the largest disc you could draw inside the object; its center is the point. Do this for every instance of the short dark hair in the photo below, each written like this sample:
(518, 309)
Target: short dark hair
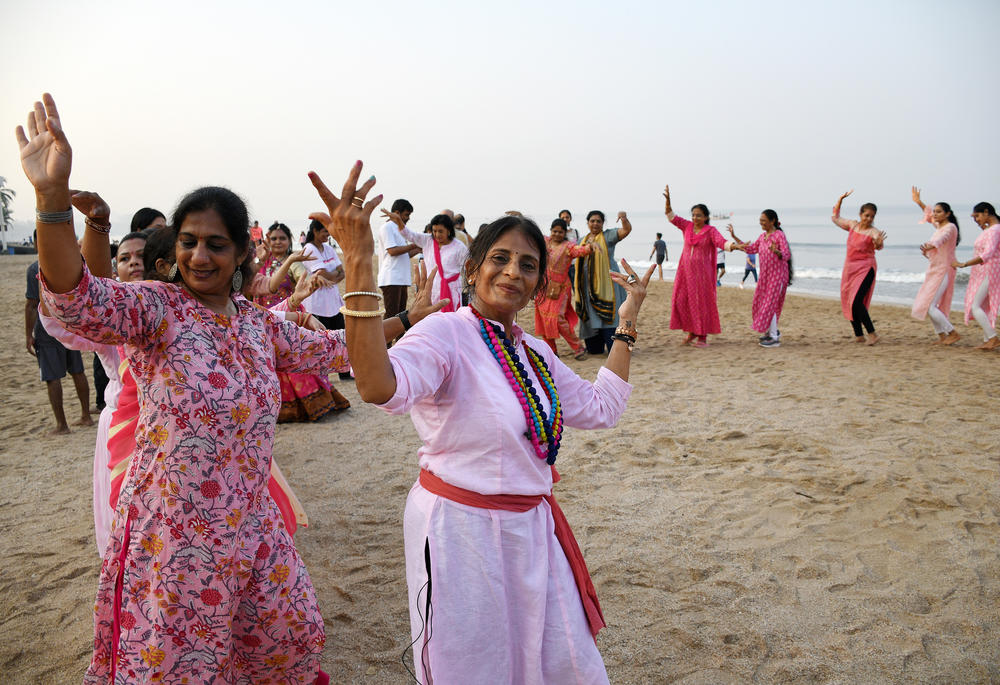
(869, 205)
(159, 245)
(595, 212)
(659, 235)
(135, 235)
(402, 205)
(230, 208)
(559, 222)
(490, 233)
(144, 217)
(459, 220)
(566, 211)
(446, 221)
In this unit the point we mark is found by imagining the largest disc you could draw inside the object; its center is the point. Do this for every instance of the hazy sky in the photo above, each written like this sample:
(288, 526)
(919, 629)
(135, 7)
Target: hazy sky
(536, 106)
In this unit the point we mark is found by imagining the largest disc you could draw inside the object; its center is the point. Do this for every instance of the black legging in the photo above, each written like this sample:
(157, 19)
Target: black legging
(858, 310)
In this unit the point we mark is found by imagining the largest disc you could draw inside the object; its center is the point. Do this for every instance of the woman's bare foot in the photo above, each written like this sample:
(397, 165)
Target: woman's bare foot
(687, 340)
(990, 344)
(872, 339)
(859, 339)
(951, 338)
(60, 430)
(85, 420)
(940, 340)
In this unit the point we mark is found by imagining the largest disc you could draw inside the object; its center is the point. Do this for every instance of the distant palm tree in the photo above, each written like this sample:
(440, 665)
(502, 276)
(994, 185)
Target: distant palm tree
(6, 213)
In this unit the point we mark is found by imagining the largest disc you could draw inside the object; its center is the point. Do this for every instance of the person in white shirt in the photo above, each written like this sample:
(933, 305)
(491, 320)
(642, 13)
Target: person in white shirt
(394, 252)
(326, 302)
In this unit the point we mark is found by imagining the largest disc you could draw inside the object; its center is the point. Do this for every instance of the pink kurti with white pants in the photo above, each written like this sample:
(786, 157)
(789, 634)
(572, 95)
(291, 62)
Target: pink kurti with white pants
(987, 248)
(769, 296)
(939, 281)
(504, 604)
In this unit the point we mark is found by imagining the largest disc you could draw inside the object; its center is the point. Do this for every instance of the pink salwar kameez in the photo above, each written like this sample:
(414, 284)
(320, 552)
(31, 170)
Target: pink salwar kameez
(987, 248)
(201, 580)
(504, 604)
(769, 296)
(693, 306)
(939, 271)
(555, 316)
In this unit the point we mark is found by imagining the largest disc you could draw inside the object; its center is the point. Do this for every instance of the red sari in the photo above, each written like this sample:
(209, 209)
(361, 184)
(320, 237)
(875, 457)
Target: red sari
(554, 312)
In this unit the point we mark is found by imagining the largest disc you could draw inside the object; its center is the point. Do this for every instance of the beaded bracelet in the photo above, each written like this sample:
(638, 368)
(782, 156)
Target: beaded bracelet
(99, 228)
(54, 217)
(363, 292)
(367, 314)
(627, 339)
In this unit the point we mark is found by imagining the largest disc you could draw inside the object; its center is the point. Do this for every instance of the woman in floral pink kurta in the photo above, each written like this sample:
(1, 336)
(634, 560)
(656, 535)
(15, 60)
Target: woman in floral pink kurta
(775, 275)
(982, 294)
(201, 578)
(934, 296)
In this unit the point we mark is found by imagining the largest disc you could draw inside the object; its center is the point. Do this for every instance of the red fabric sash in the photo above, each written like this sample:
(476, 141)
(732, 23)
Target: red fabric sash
(121, 442)
(521, 503)
(445, 293)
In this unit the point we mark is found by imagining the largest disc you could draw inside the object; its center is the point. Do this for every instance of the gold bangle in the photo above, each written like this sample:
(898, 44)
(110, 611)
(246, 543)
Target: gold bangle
(358, 293)
(366, 314)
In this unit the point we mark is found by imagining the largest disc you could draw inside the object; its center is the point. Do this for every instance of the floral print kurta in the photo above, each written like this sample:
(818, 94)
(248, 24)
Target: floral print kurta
(769, 296)
(201, 582)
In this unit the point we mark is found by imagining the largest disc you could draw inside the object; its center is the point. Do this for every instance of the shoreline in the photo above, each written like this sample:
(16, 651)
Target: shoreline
(821, 512)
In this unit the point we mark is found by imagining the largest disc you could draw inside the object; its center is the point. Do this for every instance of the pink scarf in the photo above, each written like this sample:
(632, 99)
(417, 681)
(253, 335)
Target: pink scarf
(445, 293)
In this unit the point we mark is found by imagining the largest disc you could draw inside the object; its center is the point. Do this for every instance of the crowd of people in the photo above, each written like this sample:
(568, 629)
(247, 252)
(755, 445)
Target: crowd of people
(211, 330)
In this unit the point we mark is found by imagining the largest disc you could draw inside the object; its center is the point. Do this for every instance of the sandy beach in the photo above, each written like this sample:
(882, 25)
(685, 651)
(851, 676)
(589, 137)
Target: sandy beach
(823, 512)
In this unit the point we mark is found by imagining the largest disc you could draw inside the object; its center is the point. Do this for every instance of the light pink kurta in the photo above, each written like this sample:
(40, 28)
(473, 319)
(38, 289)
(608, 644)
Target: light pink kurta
(694, 307)
(940, 256)
(453, 256)
(200, 581)
(769, 295)
(111, 361)
(505, 608)
(986, 247)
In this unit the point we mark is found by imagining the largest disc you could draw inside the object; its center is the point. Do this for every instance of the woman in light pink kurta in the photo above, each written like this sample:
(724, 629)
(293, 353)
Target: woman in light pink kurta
(498, 590)
(982, 294)
(934, 296)
(775, 276)
(693, 306)
(443, 251)
(857, 282)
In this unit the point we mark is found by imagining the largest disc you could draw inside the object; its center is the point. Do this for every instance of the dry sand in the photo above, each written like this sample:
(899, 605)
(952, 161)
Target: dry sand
(822, 512)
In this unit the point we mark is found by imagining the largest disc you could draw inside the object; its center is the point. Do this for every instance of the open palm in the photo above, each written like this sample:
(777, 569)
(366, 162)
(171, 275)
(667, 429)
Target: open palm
(46, 156)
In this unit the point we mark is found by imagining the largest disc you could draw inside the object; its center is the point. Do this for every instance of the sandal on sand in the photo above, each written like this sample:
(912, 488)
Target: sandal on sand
(580, 356)
(699, 343)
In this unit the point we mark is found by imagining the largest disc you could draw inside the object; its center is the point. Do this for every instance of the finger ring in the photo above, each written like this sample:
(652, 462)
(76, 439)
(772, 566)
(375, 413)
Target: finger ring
(358, 201)
(631, 279)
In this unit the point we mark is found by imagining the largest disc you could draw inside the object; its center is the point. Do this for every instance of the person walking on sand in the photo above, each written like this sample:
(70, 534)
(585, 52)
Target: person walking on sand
(982, 294)
(776, 276)
(857, 282)
(660, 250)
(498, 589)
(54, 360)
(694, 305)
(934, 296)
(749, 268)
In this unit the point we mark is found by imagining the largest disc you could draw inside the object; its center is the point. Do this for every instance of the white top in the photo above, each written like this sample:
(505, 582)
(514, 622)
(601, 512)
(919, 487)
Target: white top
(325, 301)
(392, 270)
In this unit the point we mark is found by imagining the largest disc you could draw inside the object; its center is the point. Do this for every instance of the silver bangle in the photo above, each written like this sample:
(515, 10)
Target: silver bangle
(54, 217)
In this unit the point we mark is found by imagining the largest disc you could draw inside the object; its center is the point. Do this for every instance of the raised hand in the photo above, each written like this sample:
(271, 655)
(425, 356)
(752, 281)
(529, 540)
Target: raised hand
(915, 194)
(46, 155)
(262, 252)
(90, 205)
(394, 217)
(635, 288)
(622, 216)
(301, 256)
(844, 195)
(666, 196)
(349, 217)
(729, 227)
(422, 306)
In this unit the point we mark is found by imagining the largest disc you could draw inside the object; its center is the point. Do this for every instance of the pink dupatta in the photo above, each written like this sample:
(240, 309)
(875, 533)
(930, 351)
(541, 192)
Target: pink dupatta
(446, 281)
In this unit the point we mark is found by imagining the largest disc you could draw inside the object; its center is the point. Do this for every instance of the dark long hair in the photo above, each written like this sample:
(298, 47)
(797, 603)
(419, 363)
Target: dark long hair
(230, 208)
(945, 207)
(159, 245)
(313, 227)
(985, 207)
(488, 235)
(773, 216)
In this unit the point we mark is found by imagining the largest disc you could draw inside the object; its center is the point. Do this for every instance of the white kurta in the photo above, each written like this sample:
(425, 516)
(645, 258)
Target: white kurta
(453, 256)
(504, 605)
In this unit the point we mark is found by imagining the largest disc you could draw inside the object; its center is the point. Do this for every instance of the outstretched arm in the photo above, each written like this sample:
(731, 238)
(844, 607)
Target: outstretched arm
(626, 226)
(843, 223)
(47, 159)
(95, 245)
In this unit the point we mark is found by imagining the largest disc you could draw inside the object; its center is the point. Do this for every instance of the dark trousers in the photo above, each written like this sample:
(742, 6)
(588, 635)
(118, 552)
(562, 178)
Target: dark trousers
(597, 343)
(333, 323)
(859, 312)
(394, 298)
(100, 381)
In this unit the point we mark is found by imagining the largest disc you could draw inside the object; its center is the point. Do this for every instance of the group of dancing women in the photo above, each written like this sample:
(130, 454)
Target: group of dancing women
(200, 579)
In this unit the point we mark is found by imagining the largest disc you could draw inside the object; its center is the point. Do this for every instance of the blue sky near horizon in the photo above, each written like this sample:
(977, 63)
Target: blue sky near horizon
(534, 106)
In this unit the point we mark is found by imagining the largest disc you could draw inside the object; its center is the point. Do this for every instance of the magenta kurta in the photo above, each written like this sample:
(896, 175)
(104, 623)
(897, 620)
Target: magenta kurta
(987, 248)
(201, 580)
(505, 606)
(693, 306)
(769, 296)
(939, 268)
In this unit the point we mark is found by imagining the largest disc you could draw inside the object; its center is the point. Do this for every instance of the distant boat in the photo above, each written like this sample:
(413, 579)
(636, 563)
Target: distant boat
(722, 216)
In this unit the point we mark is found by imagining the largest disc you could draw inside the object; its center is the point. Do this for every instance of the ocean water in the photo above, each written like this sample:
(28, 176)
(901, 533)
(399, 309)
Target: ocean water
(818, 249)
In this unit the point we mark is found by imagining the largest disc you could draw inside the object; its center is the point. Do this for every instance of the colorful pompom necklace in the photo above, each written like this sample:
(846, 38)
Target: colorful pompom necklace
(544, 433)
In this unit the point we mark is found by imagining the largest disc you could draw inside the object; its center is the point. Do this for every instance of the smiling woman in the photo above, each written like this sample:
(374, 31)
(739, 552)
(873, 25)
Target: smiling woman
(489, 403)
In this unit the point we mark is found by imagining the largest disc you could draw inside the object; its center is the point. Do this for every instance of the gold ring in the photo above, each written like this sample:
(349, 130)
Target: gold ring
(358, 202)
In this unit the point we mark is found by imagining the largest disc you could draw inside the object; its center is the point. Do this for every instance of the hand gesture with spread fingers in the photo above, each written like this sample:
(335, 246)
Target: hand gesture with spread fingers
(349, 217)
(46, 156)
(636, 289)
